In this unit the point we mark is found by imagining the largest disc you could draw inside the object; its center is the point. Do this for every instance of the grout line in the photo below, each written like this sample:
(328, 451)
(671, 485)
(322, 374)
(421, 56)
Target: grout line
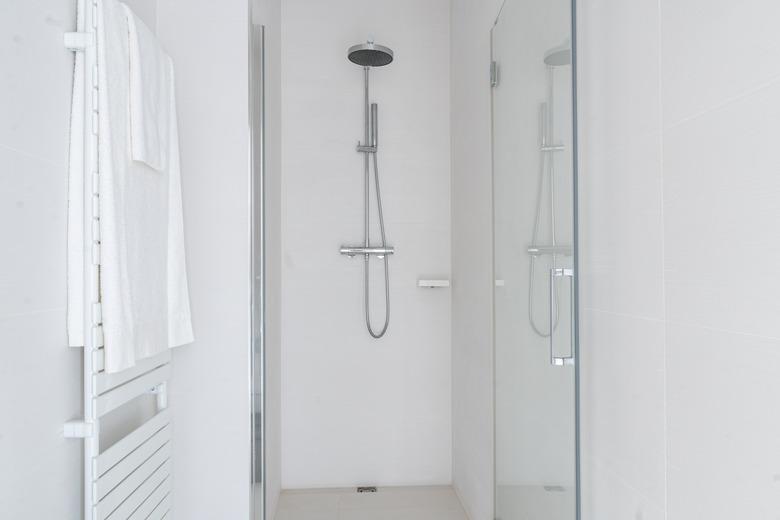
(722, 331)
(30, 155)
(624, 315)
(4, 317)
(728, 101)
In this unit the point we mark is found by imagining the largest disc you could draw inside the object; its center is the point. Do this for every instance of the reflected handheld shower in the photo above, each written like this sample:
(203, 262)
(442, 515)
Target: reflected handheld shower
(553, 58)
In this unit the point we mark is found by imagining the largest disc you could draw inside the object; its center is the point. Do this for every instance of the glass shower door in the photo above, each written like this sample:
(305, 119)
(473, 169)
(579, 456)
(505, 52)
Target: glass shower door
(534, 255)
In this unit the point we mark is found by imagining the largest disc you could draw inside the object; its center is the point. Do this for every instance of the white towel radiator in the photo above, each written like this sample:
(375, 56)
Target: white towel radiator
(131, 479)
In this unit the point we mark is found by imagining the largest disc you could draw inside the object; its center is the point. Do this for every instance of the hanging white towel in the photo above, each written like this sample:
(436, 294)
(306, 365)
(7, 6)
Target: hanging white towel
(143, 283)
(76, 199)
(133, 213)
(151, 85)
(155, 141)
(179, 317)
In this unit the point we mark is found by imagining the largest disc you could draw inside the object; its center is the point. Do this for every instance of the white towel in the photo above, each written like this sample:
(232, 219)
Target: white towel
(143, 283)
(179, 317)
(155, 141)
(151, 85)
(76, 199)
(133, 213)
(143, 278)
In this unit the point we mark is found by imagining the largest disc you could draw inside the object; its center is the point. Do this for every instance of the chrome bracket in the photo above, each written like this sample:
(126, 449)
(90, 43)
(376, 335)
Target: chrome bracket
(365, 149)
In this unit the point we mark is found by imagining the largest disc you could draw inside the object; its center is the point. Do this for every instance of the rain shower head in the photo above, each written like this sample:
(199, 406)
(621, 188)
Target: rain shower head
(558, 56)
(370, 54)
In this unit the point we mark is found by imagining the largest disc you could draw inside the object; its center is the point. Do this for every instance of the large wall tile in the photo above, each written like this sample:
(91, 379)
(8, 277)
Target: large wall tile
(715, 50)
(607, 496)
(40, 377)
(37, 77)
(622, 399)
(619, 86)
(621, 229)
(621, 261)
(621, 225)
(721, 207)
(40, 389)
(723, 424)
(33, 203)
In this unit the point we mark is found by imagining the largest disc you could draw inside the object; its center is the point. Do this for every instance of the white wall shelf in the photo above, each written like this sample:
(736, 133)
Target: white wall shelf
(433, 284)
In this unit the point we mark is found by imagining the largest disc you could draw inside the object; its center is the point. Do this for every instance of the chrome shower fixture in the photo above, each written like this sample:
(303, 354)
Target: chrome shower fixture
(369, 55)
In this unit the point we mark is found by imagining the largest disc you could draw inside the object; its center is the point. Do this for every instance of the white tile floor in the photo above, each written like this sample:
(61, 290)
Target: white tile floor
(390, 503)
(535, 503)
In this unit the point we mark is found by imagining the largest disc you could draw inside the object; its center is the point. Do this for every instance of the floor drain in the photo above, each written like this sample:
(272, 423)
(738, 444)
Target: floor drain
(366, 489)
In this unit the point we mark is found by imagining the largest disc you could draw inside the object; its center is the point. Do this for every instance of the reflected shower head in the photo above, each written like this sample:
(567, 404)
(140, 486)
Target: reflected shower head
(558, 56)
(370, 54)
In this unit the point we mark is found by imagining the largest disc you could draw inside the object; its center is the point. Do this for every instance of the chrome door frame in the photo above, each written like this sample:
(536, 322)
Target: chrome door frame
(257, 169)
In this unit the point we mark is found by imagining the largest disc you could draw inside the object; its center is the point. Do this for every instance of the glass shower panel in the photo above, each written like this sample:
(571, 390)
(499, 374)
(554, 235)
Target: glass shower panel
(535, 303)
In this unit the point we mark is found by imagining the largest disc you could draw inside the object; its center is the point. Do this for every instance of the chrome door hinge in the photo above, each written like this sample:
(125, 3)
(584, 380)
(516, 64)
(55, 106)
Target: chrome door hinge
(493, 73)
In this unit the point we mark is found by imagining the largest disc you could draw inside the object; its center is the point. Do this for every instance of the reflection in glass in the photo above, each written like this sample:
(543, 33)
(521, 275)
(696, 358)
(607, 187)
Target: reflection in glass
(533, 142)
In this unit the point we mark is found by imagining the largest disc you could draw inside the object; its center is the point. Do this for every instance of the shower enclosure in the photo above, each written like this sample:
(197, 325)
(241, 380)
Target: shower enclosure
(534, 147)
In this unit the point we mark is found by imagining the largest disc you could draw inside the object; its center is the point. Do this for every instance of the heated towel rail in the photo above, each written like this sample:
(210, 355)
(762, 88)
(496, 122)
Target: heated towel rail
(131, 479)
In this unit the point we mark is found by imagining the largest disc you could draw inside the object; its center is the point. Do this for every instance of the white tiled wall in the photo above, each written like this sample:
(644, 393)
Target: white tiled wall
(680, 202)
(357, 410)
(40, 377)
(210, 385)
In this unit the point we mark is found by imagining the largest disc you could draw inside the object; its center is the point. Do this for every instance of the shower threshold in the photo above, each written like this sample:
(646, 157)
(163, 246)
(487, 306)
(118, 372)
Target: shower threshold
(397, 503)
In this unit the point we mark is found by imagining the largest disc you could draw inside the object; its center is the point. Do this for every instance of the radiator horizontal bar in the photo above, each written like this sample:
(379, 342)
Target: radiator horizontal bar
(106, 381)
(131, 493)
(157, 505)
(123, 394)
(122, 448)
(111, 478)
(162, 510)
